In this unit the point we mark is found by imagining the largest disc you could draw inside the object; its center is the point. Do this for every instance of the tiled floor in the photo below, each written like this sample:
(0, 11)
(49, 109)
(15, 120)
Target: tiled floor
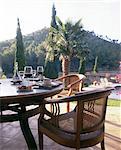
(11, 137)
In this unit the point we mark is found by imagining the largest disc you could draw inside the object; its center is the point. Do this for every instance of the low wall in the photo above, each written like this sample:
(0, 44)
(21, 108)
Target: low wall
(91, 77)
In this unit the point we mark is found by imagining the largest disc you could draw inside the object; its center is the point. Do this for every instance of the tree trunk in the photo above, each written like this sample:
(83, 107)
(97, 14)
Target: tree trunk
(65, 68)
(65, 65)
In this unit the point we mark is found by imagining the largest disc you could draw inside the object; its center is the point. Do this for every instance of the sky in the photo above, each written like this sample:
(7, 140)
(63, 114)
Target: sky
(101, 16)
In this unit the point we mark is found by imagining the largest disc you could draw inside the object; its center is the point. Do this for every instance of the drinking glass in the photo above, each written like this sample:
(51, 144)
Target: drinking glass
(21, 73)
(40, 71)
(28, 71)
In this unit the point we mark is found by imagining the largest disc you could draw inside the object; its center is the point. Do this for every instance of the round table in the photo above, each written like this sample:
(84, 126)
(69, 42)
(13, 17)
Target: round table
(17, 102)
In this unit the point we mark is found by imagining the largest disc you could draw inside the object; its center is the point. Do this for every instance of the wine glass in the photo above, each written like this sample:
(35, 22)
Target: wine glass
(21, 73)
(40, 71)
(28, 71)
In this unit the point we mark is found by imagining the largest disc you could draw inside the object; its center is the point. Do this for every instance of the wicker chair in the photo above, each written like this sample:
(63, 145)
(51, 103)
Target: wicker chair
(81, 128)
(73, 83)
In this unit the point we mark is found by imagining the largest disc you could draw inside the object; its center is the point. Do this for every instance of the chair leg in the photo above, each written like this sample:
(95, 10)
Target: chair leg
(68, 106)
(50, 107)
(103, 145)
(1, 112)
(40, 140)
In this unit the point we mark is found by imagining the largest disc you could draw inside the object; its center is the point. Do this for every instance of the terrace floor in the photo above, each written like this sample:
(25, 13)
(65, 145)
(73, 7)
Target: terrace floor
(11, 137)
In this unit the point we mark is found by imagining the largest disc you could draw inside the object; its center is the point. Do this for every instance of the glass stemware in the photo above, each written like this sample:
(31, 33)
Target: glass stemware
(21, 73)
(40, 71)
(28, 71)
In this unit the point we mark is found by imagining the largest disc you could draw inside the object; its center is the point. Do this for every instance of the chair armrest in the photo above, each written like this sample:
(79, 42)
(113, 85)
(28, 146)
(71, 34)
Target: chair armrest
(83, 95)
(74, 83)
(60, 78)
(57, 100)
(81, 76)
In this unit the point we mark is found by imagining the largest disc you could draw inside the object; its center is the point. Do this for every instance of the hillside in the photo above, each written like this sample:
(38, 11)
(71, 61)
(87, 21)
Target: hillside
(38, 37)
(108, 51)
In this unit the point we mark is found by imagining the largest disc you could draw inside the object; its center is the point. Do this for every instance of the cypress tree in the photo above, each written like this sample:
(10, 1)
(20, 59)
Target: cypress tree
(19, 54)
(52, 59)
(95, 65)
(53, 21)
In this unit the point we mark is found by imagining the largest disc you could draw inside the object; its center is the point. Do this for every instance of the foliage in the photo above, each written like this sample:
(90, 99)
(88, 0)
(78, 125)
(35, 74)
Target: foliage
(53, 21)
(19, 54)
(82, 66)
(51, 70)
(33, 50)
(95, 65)
(113, 102)
(8, 62)
(51, 65)
(108, 52)
(71, 43)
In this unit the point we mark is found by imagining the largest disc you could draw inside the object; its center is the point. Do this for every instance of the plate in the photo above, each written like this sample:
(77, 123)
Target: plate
(34, 79)
(41, 85)
(16, 81)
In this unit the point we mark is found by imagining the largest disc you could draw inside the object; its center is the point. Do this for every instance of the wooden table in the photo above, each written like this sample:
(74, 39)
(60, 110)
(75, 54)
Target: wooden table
(17, 102)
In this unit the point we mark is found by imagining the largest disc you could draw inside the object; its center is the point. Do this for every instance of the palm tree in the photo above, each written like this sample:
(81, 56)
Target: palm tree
(70, 43)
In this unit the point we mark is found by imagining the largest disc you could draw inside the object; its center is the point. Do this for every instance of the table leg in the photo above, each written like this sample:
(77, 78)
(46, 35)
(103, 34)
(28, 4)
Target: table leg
(27, 132)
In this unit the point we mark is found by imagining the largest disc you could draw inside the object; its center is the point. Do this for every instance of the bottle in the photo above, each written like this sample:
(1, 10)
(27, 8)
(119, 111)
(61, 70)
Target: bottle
(16, 75)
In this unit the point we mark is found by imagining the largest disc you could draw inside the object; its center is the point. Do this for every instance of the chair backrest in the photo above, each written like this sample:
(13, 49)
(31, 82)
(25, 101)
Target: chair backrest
(89, 115)
(73, 80)
(91, 108)
(94, 108)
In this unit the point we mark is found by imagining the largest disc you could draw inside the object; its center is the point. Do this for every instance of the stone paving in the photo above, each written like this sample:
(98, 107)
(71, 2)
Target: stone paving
(11, 137)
